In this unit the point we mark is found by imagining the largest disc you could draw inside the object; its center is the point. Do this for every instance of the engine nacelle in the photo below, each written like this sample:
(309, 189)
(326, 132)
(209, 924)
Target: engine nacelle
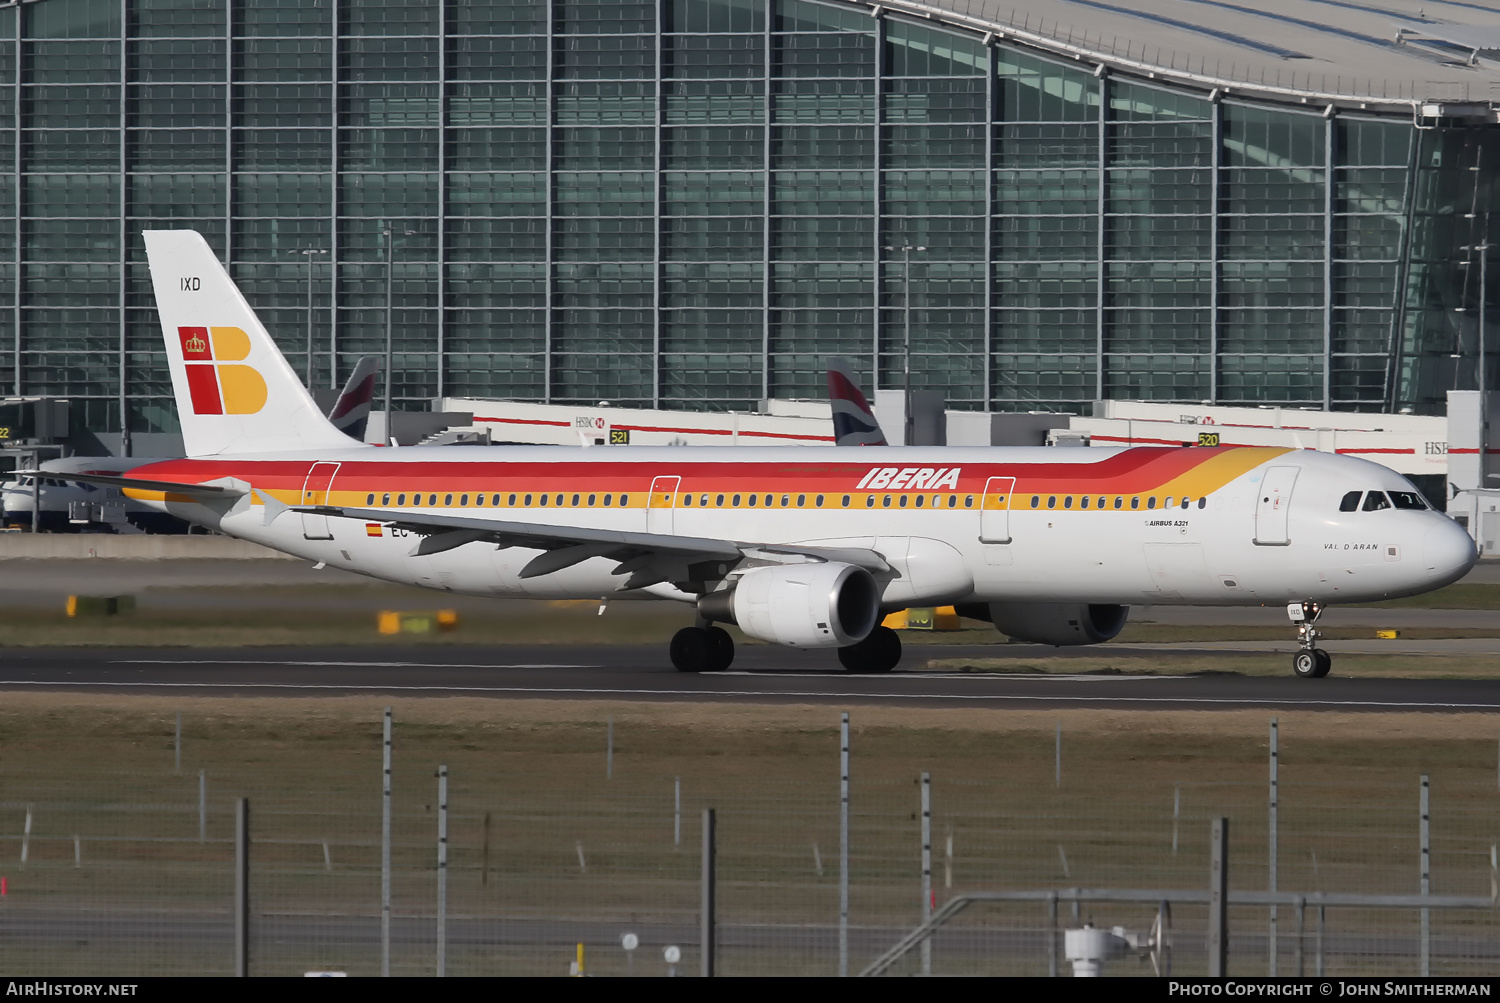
(1056, 623)
(827, 605)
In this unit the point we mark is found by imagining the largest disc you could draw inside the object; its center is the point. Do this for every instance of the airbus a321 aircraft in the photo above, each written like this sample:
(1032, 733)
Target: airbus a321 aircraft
(805, 547)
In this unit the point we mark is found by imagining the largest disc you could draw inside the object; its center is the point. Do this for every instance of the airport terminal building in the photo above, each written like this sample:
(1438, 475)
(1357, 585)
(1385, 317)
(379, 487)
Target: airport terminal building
(690, 203)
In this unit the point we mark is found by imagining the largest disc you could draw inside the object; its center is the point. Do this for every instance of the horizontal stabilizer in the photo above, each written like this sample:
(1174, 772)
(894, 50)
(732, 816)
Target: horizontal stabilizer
(204, 491)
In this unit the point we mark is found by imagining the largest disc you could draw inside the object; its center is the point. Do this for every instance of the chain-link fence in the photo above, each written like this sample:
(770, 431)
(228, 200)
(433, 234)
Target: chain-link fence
(123, 874)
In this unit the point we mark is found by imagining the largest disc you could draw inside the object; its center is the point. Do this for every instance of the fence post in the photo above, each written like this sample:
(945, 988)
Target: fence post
(926, 869)
(1218, 900)
(1322, 914)
(1301, 933)
(442, 874)
(844, 847)
(385, 850)
(202, 806)
(242, 889)
(706, 916)
(1271, 839)
(1426, 864)
(1052, 934)
(1176, 815)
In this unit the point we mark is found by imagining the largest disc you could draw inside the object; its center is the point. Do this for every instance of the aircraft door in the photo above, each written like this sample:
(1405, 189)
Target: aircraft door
(1272, 505)
(660, 504)
(994, 510)
(315, 492)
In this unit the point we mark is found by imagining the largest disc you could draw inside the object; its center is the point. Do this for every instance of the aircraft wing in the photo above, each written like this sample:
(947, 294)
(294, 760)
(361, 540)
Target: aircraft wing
(647, 558)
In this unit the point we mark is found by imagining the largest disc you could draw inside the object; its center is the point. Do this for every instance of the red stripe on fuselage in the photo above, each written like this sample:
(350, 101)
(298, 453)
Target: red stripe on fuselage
(1131, 471)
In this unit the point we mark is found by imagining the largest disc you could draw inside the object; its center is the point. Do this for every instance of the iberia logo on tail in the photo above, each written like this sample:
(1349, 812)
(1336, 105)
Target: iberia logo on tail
(218, 388)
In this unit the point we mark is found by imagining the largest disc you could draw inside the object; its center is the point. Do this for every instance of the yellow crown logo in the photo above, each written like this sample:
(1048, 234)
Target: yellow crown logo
(195, 344)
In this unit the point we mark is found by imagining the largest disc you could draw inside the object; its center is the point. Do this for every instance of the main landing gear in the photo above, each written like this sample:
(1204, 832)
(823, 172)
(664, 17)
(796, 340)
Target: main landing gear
(711, 649)
(702, 649)
(1310, 662)
(879, 652)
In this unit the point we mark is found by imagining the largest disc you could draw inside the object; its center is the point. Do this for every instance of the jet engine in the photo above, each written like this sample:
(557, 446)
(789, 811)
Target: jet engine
(1052, 623)
(827, 605)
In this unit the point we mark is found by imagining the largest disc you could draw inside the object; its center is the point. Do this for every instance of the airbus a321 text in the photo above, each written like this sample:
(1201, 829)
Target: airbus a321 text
(800, 546)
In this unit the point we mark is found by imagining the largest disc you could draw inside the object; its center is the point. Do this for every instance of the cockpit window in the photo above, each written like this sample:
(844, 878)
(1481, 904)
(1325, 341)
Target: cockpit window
(1350, 502)
(1407, 499)
(1376, 500)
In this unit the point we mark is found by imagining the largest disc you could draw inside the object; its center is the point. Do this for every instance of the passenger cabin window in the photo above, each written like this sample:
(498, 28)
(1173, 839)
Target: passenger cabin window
(1376, 500)
(1350, 502)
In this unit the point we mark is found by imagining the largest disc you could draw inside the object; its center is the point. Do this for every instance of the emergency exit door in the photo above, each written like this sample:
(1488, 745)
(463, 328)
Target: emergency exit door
(315, 492)
(994, 510)
(1272, 505)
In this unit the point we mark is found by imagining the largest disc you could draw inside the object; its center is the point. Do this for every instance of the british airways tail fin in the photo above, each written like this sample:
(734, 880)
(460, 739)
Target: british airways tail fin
(854, 423)
(235, 391)
(351, 412)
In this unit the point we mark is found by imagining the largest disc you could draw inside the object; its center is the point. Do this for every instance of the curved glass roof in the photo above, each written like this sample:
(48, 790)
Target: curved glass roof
(1345, 51)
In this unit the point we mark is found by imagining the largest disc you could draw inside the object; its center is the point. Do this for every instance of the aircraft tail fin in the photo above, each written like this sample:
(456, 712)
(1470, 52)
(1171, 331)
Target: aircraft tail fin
(351, 412)
(854, 422)
(235, 392)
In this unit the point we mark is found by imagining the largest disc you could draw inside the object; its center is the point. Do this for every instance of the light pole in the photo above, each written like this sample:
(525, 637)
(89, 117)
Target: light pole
(390, 265)
(1481, 382)
(1484, 260)
(309, 253)
(908, 423)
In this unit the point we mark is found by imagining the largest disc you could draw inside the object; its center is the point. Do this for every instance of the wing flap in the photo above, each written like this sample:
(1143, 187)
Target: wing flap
(646, 557)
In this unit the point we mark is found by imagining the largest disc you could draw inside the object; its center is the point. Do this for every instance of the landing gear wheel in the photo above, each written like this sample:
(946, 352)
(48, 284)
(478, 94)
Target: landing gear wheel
(879, 652)
(1324, 660)
(725, 645)
(1312, 663)
(701, 649)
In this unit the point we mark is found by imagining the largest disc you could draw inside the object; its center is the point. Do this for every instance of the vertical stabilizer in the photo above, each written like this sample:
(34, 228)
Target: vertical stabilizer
(854, 422)
(351, 412)
(235, 391)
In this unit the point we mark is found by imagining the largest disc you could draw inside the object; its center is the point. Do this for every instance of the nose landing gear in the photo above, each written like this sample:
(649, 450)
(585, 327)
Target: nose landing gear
(1311, 662)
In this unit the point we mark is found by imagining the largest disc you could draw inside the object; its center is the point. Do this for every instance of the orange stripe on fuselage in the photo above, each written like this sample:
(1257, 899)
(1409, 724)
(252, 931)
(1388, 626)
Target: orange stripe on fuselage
(1191, 471)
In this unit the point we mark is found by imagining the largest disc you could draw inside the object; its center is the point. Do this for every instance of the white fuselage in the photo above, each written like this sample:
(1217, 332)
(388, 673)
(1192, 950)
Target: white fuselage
(1189, 526)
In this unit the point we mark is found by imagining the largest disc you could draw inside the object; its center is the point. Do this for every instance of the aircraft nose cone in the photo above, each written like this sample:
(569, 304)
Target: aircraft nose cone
(1448, 553)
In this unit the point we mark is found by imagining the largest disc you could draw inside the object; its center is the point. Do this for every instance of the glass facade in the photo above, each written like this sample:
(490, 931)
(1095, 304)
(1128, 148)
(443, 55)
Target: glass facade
(691, 203)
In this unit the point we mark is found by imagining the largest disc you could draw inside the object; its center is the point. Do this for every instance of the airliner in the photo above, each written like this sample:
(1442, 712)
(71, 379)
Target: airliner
(806, 547)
